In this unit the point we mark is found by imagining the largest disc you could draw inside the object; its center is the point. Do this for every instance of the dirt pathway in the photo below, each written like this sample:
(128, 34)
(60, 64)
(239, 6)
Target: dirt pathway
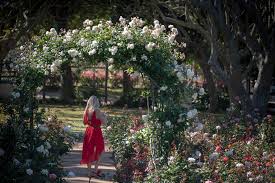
(79, 172)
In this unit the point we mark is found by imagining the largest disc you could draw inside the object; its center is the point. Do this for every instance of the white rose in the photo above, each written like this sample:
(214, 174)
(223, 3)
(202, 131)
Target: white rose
(130, 46)
(29, 171)
(113, 50)
(48, 145)
(45, 48)
(191, 160)
(73, 52)
(201, 91)
(168, 123)
(67, 128)
(92, 52)
(163, 88)
(94, 43)
(44, 172)
(43, 128)
(145, 118)
(189, 73)
(40, 149)
(239, 165)
(213, 156)
(195, 96)
(144, 57)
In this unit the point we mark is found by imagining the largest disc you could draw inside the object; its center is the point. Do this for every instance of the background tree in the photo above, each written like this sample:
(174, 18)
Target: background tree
(233, 31)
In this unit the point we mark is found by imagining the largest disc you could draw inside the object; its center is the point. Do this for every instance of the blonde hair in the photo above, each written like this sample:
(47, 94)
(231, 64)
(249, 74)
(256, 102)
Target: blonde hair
(92, 103)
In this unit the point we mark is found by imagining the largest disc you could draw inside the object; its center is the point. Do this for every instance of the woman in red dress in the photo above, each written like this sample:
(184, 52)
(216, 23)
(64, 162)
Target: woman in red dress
(93, 144)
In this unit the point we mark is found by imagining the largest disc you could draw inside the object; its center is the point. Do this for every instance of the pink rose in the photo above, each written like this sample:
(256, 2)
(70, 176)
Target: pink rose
(208, 181)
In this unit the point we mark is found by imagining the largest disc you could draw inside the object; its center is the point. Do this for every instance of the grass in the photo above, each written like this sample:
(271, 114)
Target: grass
(73, 115)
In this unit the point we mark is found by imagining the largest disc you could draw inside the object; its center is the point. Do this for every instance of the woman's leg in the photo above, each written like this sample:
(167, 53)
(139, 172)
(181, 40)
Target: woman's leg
(89, 165)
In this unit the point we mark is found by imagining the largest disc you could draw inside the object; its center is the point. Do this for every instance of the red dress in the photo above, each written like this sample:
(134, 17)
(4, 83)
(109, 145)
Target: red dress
(93, 144)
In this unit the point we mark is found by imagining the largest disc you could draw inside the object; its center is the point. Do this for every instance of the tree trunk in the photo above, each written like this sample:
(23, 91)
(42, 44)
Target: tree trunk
(210, 84)
(67, 84)
(262, 86)
(127, 87)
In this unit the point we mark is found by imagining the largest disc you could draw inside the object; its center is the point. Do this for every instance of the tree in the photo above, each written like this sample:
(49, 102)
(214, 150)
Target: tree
(232, 30)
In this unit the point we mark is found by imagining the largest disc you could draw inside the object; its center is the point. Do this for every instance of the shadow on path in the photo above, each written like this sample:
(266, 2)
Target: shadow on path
(71, 163)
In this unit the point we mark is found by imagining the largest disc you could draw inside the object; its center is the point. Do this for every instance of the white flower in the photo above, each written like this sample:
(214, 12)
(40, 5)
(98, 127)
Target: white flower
(43, 128)
(145, 118)
(54, 68)
(92, 52)
(113, 50)
(48, 145)
(199, 127)
(149, 47)
(87, 22)
(16, 162)
(198, 153)
(259, 178)
(171, 159)
(144, 57)
(45, 48)
(26, 110)
(88, 28)
(29, 171)
(134, 58)
(174, 31)
(168, 123)
(170, 26)
(192, 113)
(2, 152)
(109, 128)
(145, 30)
(130, 46)
(191, 160)
(218, 127)
(111, 67)
(156, 33)
(239, 165)
(75, 31)
(195, 96)
(67, 128)
(122, 20)
(53, 31)
(163, 88)
(180, 76)
(171, 38)
(156, 22)
(73, 52)
(126, 33)
(229, 152)
(249, 174)
(21, 48)
(44, 172)
(201, 91)
(94, 43)
(213, 156)
(189, 73)
(110, 60)
(71, 174)
(40, 149)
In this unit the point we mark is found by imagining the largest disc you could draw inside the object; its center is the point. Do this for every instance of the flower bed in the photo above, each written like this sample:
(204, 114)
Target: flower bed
(206, 152)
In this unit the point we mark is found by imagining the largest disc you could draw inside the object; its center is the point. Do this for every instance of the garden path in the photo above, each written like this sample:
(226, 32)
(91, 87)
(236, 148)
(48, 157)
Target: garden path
(71, 161)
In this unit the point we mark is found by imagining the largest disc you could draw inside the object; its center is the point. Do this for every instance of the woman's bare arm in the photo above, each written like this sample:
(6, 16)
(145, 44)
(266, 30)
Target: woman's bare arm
(100, 115)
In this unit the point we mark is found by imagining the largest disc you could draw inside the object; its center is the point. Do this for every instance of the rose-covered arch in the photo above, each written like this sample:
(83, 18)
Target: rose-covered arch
(128, 45)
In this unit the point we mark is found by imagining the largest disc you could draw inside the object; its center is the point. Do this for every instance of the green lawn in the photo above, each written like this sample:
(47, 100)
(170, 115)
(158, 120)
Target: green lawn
(72, 115)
